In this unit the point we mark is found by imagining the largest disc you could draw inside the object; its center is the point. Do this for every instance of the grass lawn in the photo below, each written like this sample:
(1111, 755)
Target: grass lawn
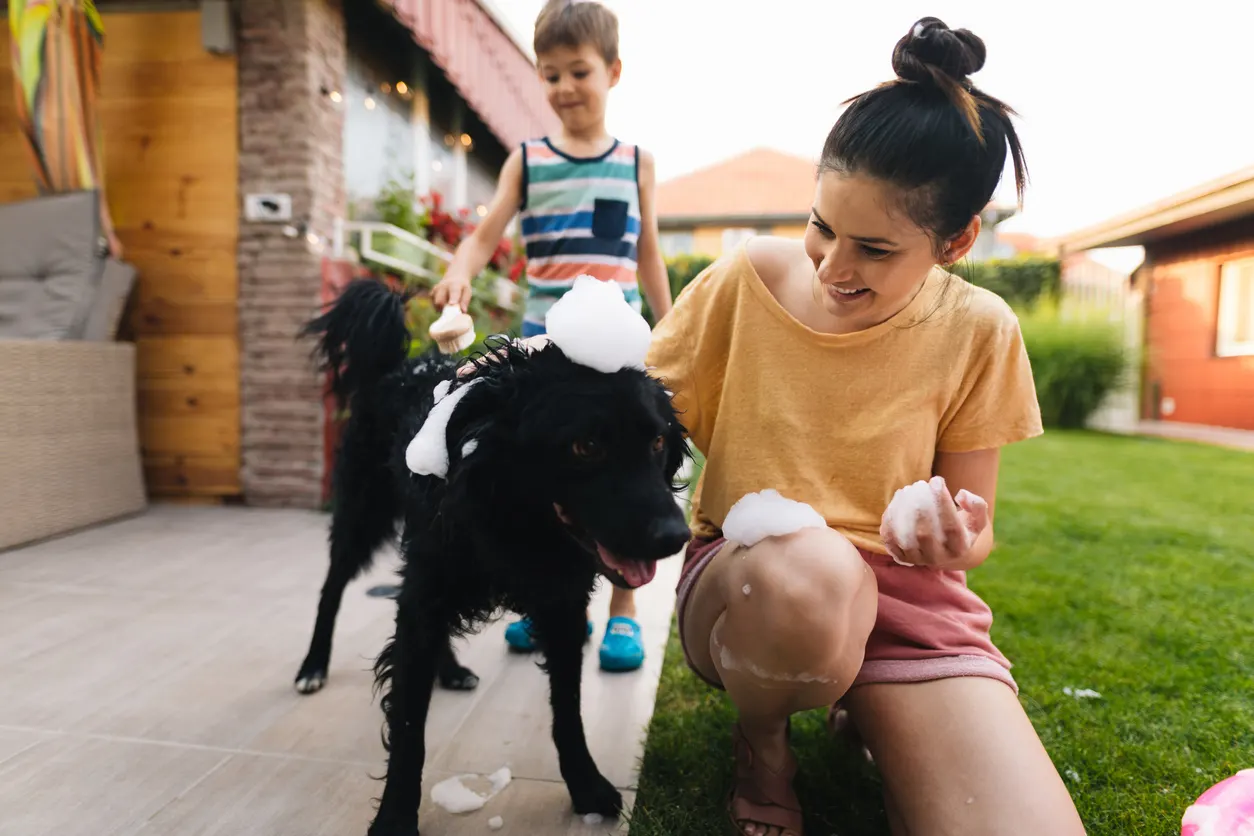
(1126, 566)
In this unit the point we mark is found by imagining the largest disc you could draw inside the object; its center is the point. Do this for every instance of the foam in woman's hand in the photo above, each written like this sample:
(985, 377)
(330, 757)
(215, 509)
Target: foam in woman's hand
(427, 454)
(757, 516)
(594, 326)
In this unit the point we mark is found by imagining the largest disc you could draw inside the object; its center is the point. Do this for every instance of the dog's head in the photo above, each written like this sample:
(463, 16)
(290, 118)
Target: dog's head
(592, 456)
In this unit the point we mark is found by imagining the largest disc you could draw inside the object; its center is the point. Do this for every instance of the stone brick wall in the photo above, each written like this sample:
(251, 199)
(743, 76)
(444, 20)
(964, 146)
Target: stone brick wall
(291, 141)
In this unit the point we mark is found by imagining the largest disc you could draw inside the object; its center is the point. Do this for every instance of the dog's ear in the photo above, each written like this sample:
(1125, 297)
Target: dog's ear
(676, 453)
(676, 437)
(481, 438)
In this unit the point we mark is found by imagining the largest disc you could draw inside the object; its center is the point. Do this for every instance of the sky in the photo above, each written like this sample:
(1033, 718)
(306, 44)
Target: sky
(1119, 106)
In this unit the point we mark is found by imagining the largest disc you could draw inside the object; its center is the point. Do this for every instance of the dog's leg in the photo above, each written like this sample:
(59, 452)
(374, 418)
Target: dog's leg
(452, 675)
(366, 508)
(561, 634)
(409, 663)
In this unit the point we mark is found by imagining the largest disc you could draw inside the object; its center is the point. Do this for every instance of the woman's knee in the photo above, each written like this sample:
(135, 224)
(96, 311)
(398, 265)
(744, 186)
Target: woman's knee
(810, 591)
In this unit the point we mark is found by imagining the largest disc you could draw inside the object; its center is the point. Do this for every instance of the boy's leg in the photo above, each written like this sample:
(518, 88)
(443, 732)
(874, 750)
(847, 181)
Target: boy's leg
(622, 648)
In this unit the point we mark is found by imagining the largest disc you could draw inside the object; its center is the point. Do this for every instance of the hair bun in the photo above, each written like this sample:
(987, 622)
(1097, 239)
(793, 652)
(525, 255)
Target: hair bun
(931, 47)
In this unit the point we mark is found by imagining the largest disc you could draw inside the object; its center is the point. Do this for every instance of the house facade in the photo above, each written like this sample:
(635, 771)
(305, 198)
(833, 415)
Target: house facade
(764, 192)
(236, 134)
(1196, 284)
(712, 210)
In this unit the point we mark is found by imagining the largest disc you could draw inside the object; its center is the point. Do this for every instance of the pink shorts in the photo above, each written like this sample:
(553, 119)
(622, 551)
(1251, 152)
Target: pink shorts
(929, 625)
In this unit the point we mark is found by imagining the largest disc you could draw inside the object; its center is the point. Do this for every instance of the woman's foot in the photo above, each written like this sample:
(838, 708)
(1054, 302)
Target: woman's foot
(520, 638)
(762, 800)
(622, 648)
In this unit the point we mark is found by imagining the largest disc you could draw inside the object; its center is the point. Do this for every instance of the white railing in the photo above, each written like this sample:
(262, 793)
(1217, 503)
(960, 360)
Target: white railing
(366, 232)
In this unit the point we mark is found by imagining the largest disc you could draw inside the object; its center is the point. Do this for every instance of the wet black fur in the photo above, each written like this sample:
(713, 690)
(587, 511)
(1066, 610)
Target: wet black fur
(367, 489)
(548, 432)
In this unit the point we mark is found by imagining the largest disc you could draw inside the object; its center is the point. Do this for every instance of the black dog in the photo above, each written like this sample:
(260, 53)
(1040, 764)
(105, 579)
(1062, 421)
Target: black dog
(369, 492)
(557, 473)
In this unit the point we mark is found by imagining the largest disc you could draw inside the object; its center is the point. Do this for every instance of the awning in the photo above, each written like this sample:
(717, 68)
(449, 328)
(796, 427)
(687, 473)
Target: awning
(497, 80)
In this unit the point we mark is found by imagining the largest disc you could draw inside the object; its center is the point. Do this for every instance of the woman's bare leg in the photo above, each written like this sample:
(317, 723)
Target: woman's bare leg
(959, 756)
(783, 626)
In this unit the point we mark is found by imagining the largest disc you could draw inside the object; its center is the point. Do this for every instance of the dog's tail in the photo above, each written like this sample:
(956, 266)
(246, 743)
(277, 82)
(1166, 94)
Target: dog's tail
(361, 338)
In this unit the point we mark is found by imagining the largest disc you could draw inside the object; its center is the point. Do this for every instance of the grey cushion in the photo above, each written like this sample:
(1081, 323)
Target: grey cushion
(110, 302)
(50, 266)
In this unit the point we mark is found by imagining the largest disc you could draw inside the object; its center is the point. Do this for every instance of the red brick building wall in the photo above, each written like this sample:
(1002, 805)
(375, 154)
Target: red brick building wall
(1182, 308)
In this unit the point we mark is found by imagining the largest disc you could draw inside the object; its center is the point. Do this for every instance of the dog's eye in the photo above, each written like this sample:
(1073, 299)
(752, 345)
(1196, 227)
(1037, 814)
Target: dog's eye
(587, 450)
(659, 444)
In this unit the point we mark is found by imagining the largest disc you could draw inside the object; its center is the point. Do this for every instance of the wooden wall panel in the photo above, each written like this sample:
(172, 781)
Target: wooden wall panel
(168, 113)
(1181, 318)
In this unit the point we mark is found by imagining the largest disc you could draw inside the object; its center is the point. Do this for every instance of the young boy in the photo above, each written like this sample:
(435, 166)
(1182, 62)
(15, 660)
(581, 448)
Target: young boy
(586, 205)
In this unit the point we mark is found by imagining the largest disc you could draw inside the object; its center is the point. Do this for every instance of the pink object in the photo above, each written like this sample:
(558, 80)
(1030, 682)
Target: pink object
(1226, 809)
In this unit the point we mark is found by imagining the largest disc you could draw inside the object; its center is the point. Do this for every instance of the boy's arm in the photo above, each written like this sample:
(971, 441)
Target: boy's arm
(651, 266)
(474, 252)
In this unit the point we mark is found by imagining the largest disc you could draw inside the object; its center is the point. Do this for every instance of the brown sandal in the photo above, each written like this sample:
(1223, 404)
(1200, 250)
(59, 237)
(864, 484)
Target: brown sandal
(760, 795)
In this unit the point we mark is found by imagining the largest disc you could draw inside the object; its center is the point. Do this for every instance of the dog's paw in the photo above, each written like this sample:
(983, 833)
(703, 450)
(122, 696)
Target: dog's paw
(596, 795)
(457, 678)
(310, 681)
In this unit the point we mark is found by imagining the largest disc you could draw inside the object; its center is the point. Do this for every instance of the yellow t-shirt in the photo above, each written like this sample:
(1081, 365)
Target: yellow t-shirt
(839, 421)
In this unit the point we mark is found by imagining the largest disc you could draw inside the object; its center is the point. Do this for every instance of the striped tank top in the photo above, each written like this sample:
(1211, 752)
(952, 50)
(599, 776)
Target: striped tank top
(579, 216)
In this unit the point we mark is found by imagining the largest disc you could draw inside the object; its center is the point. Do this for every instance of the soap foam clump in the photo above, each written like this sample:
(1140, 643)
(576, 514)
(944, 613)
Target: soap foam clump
(594, 326)
(768, 514)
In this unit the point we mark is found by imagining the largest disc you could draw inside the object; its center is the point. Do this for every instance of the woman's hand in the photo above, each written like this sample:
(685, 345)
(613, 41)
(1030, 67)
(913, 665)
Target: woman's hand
(925, 526)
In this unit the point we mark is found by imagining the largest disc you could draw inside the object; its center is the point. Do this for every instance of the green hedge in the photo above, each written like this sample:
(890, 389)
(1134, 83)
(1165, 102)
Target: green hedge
(1021, 281)
(1076, 363)
(680, 270)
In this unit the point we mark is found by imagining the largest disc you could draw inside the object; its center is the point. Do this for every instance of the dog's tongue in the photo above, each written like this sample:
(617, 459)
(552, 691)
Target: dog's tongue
(635, 572)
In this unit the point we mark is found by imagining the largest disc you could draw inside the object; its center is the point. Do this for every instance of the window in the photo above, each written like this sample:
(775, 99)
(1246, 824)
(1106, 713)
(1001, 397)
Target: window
(1235, 334)
(733, 237)
(676, 243)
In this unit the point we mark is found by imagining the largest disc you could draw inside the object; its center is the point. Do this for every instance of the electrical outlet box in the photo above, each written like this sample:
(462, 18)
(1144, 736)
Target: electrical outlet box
(276, 208)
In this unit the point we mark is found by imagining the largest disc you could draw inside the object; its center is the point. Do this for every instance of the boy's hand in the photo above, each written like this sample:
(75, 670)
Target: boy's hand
(529, 344)
(451, 291)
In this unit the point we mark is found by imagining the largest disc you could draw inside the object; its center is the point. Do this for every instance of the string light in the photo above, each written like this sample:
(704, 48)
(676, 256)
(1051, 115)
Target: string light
(481, 210)
(437, 166)
(466, 140)
(336, 96)
(402, 87)
(369, 103)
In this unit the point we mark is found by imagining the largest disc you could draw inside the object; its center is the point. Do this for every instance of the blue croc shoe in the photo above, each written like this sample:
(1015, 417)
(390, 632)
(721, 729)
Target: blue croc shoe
(519, 638)
(622, 648)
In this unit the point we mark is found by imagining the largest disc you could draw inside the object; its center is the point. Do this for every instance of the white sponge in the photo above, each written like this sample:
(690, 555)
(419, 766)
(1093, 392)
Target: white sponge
(594, 326)
(757, 516)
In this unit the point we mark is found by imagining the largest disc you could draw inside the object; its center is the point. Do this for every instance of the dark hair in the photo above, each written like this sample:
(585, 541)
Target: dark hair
(573, 23)
(930, 132)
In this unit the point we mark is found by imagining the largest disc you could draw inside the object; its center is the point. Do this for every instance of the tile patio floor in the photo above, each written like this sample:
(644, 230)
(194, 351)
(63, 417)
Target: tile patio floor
(145, 690)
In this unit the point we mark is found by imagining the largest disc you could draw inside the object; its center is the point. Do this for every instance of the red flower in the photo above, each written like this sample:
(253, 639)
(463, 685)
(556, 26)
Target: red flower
(437, 200)
(463, 213)
(451, 232)
(515, 272)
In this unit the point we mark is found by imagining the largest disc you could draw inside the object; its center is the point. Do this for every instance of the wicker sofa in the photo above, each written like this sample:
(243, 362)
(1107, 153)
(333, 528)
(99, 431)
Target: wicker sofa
(69, 448)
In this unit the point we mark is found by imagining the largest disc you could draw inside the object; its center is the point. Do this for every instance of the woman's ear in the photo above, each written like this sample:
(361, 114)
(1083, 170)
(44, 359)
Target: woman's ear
(958, 246)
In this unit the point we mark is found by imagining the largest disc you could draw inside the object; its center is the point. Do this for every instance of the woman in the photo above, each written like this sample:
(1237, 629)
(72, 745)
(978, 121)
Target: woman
(852, 373)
